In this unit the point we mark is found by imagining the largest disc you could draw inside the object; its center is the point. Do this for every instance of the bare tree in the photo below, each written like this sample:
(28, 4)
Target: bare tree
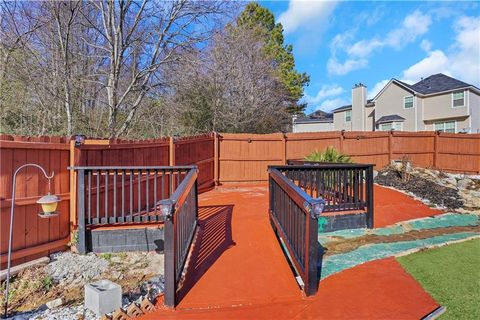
(137, 39)
(87, 66)
(232, 87)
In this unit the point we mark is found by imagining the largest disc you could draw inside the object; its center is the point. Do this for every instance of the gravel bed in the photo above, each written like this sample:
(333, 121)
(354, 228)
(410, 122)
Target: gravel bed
(72, 268)
(435, 193)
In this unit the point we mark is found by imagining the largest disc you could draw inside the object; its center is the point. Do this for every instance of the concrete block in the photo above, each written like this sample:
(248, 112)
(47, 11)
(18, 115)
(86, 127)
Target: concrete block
(103, 296)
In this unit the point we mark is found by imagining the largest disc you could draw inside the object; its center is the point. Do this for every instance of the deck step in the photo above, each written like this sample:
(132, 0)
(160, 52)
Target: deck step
(134, 238)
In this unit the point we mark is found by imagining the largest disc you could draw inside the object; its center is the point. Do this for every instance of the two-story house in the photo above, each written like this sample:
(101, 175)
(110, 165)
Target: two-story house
(436, 103)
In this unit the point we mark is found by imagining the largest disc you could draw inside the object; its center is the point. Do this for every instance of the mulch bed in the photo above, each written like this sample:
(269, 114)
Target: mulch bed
(437, 194)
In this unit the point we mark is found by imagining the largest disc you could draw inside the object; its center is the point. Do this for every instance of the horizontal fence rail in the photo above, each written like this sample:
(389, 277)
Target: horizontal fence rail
(181, 217)
(294, 218)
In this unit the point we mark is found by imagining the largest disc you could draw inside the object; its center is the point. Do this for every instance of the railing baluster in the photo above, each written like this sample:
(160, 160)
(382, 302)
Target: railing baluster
(89, 196)
(139, 194)
(155, 176)
(130, 217)
(98, 197)
(114, 196)
(106, 197)
(147, 195)
(163, 184)
(123, 195)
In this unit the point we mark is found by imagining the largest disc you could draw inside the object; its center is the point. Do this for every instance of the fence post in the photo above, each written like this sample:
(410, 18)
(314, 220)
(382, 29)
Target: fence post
(284, 154)
(216, 160)
(82, 241)
(311, 284)
(73, 185)
(166, 206)
(390, 146)
(342, 138)
(435, 149)
(171, 152)
(369, 187)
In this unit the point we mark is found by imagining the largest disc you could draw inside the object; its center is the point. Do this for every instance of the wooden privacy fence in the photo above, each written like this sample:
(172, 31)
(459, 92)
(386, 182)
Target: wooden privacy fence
(245, 157)
(225, 158)
(33, 236)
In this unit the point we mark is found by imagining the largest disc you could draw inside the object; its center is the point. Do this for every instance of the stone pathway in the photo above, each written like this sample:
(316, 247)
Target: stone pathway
(354, 247)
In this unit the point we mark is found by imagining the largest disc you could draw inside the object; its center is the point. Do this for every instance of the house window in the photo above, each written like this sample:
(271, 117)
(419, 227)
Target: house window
(458, 99)
(408, 102)
(398, 126)
(348, 115)
(386, 126)
(447, 126)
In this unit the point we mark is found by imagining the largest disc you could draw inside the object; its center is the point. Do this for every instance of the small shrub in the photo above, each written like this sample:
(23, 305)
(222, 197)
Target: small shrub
(106, 256)
(47, 283)
(330, 154)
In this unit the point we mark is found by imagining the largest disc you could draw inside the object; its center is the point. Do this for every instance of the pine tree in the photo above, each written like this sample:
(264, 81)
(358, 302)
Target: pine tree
(262, 21)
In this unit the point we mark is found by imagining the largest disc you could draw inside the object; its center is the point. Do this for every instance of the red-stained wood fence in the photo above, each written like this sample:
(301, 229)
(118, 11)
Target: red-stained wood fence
(33, 236)
(245, 157)
(221, 159)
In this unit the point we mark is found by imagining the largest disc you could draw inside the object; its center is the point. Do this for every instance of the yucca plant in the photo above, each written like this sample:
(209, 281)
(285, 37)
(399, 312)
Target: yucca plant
(330, 154)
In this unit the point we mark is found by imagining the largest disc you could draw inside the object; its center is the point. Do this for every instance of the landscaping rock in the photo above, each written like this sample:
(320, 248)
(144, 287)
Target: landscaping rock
(452, 191)
(464, 183)
(422, 187)
(153, 287)
(72, 268)
(54, 303)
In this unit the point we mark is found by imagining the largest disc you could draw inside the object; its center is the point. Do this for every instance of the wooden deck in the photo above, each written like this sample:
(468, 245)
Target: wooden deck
(237, 270)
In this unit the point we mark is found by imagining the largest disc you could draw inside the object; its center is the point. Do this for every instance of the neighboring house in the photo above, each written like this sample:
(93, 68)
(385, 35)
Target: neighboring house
(436, 103)
(317, 121)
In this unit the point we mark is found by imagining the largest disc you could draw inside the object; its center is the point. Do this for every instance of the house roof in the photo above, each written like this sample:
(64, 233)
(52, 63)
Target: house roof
(390, 118)
(312, 120)
(431, 85)
(318, 116)
(438, 83)
(348, 107)
(342, 108)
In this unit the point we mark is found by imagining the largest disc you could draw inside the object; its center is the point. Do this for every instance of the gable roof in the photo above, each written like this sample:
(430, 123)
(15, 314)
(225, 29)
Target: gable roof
(433, 84)
(439, 83)
(390, 118)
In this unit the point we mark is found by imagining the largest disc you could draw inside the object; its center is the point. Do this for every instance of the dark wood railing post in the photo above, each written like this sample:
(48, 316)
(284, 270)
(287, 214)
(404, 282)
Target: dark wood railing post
(311, 258)
(81, 239)
(166, 207)
(369, 190)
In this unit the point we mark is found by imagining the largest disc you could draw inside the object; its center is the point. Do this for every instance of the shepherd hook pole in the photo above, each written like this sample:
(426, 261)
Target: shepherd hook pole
(7, 287)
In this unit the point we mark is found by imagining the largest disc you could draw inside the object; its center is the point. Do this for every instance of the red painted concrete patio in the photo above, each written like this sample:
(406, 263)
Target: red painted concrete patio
(237, 269)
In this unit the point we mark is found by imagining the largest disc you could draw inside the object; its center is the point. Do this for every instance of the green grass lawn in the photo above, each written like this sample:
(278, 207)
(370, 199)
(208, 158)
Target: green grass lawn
(451, 275)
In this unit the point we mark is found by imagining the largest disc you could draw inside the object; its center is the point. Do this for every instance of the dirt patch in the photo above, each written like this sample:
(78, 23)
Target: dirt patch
(62, 278)
(342, 245)
(435, 193)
